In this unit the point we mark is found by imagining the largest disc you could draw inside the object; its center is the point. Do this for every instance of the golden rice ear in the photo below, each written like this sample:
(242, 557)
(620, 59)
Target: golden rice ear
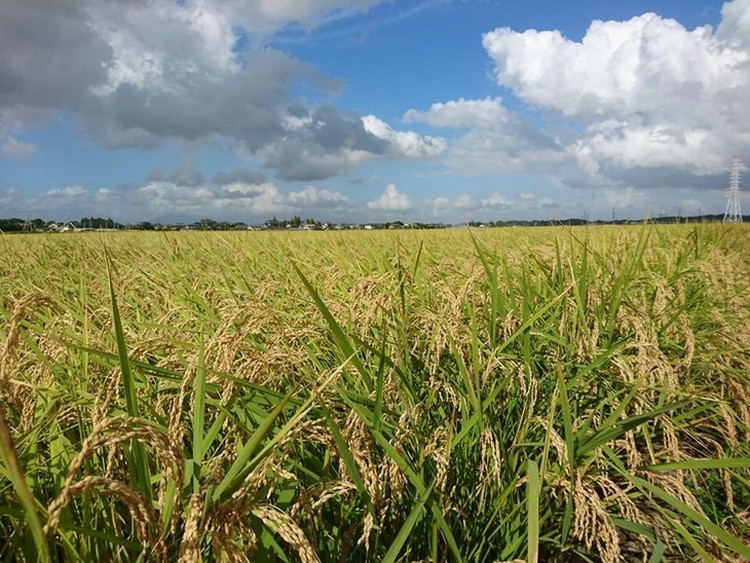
(23, 306)
(111, 432)
(190, 549)
(681, 336)
(737, 392)
(147, 525)
(288, 529)
(592, 524)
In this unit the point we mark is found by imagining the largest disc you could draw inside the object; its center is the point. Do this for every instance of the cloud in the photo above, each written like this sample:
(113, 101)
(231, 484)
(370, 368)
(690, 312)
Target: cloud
(438, 204)
(242, 175)
(624, 198)
(188, 173)
(618, 68)
(155, 199)
(140, 73)
(307, 161)
(319, 144)
(404, 144)
(638, 96)
(735, 24)
(165, 197)
(390, 200)
(490, 206)
(268, 17)
(68, 192)
(50, 56)
(236, 200)
(241, 105)
(60, 203)
(498, 201)
(485, 114)
(326, 142)
(17, 149)
(492, 139)
(312, 196)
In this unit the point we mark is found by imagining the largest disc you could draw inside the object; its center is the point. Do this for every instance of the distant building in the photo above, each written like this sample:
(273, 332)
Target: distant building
(61, 227)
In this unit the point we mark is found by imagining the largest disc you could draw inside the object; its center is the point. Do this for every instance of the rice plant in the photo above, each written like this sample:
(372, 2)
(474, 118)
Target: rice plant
(574, 394)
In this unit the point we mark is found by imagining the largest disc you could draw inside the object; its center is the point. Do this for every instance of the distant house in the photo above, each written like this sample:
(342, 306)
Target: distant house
(61, 227)
(368, 227)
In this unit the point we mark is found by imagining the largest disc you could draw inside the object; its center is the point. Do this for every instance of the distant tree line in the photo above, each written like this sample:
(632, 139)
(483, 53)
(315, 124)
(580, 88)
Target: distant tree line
(15, 224)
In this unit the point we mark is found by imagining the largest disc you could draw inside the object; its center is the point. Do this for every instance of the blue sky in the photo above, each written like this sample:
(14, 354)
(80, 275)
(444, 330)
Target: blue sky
(367, 110)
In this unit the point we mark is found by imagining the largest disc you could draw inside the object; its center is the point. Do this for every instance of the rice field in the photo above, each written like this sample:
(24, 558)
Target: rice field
(570, 394)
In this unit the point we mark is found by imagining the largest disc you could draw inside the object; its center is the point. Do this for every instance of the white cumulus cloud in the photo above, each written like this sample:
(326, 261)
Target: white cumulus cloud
(486, 114)
(492, 139)
(644, 96)
(618, 68)
(404, 143)
(390, 200)
(312, 196)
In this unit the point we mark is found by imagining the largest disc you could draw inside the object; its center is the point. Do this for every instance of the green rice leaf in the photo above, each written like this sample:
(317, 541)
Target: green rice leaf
(729, 540)
(403, 534)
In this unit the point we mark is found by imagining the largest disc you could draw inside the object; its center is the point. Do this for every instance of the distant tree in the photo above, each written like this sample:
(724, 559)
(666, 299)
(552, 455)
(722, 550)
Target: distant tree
(11, 225)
